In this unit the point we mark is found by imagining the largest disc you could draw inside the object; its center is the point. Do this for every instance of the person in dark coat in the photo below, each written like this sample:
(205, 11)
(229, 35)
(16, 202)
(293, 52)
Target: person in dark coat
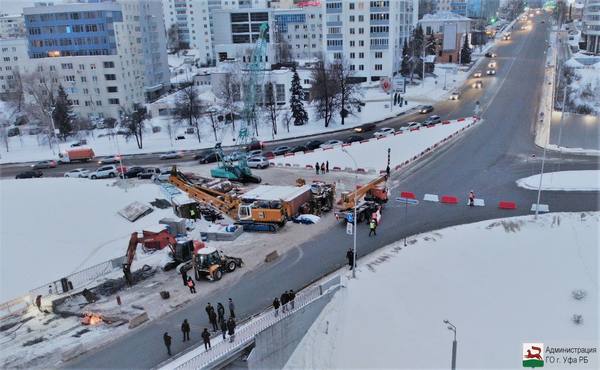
(167, 340)
(317, 167)
(184, 277)
(231, 329)
(185, 329)
(323, 168)
(223, 325)
(291, 297)
(327, 166)
(220, 312)
(209, 308)
(212, 316)
(276, 305)
(284, 300)
(231, 308)
(350, 257)
(38, 302)
(206, 339)
(191, 285)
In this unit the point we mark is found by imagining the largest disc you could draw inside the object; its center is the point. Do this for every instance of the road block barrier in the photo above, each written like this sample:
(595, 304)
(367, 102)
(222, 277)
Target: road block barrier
(503, 204)
(449, 199)
(408, 194)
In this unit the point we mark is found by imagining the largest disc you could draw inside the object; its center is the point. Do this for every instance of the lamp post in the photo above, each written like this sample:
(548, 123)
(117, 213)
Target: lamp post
(354, 215)
(452, 328)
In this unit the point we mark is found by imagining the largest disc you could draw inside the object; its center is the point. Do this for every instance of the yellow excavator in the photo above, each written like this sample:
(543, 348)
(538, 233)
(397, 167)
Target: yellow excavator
(369, 198)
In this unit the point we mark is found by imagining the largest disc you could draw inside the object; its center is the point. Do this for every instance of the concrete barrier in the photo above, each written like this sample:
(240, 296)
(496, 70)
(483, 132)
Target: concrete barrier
(503, 204)
(271, 256)
(431, 198)
(449, 199)
(138, 320)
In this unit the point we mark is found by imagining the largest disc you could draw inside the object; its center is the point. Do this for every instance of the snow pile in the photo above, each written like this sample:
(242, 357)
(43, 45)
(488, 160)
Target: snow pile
(500, 282)
(564, 181)
(584, 89)
(56, 226)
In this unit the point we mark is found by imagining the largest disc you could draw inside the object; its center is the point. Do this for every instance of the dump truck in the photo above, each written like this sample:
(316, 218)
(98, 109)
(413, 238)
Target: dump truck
(208, 263)
(75, 155)
(369, 200)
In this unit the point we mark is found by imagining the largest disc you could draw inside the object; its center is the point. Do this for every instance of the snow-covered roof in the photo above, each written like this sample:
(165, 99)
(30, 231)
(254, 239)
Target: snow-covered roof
(444, 16)
(272, 192)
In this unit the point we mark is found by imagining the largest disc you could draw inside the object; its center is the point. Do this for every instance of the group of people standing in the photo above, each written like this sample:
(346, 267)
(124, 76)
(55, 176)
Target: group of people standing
(323, 167)
(286, 298)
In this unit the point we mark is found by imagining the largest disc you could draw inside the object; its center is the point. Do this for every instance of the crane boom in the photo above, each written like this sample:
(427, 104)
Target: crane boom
(346, 200)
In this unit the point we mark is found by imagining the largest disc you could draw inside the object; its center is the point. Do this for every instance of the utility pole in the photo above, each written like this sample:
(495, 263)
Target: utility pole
(452, 328)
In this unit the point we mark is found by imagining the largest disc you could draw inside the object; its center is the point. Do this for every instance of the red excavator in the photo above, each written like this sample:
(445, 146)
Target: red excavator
(181, 251)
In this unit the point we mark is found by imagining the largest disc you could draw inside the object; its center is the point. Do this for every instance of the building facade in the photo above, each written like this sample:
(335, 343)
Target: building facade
(484, 9)
(12, 26)
(591, 26)
(14, 63)
(450, 29)
(297, 33)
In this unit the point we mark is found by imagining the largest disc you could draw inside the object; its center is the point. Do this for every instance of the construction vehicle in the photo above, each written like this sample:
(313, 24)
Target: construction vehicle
(180, 251)
(77, 154)
(255, 216)
(230, 170)
(369, 199)
(208, 263)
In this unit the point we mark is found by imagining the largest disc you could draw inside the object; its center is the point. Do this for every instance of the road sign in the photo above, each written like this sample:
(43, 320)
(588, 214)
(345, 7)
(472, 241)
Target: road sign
(349, 228)
(399, 83)
(350, 217)
(407, 201)
(386, 85)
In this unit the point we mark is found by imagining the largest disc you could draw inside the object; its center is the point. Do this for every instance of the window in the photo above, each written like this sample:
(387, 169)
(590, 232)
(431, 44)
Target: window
(337, 55)
(111, 89)
(352, 31)
(352, 55)
(53, 68)
(351, 18)
(86, 91)
(83, 79)
(110, 77)
(92, 66)
(378, 55)
(361, 67)
(113, 101)
(109, 64)
(352, 43)
(361, 31)
(99, 103)
(351, 5)
(361, 18)
(69, 78)
(361, 55)
(82, 66)
(95, 78)
(378, 67)
(361, 42)
(280, 92)
(352, 67)
(66, 65)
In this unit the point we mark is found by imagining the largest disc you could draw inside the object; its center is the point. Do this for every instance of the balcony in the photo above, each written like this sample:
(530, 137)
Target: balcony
(379, 47)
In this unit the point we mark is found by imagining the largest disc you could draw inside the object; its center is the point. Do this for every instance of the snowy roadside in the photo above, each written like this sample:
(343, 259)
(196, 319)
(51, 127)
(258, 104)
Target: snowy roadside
(443, 275)
(564, 181)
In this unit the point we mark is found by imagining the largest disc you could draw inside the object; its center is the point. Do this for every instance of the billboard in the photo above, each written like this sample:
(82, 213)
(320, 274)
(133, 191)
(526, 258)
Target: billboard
(450, 31)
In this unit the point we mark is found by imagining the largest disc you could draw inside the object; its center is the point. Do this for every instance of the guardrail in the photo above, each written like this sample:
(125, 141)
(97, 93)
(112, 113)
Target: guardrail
(199, 358)
(14, 306)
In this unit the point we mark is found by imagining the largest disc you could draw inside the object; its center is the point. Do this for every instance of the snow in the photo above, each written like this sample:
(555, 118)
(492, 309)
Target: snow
(373, 154)
(564, 181)
(510, 281)
(79, 214)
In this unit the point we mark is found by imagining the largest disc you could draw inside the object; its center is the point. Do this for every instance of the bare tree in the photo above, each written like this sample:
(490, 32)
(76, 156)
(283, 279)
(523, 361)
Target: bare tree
(189, 108)
(324, 91)
(16, 95)
(287, 119)
(348, 97)
(134, 121)
(40, 89)
(271, 108)
(230, 94)
(173, 38)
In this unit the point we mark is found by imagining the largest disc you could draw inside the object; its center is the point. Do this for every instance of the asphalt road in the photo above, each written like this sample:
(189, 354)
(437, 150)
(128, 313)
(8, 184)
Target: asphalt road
(578, 131)
(488, 159)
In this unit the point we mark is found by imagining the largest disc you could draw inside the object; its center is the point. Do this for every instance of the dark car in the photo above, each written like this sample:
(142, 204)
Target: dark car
(490, 55)
(254, 145)
(298, 148)
(313, 144)
(352, 139)
(203, 154)
(29, 174)
(280, 150)
(366, 127)
(432, 121)
(133, 172)
(208, 157)
(426, 109)
(149, 173)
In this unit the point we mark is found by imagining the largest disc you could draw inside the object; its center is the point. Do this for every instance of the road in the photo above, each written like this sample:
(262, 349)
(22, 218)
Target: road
(488, 159)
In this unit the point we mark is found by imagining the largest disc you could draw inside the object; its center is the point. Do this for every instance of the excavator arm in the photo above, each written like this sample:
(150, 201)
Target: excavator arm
(150, 240)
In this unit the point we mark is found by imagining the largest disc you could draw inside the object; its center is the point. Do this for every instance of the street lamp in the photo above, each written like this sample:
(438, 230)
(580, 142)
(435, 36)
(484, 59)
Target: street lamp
(452, 328)
(354, 216)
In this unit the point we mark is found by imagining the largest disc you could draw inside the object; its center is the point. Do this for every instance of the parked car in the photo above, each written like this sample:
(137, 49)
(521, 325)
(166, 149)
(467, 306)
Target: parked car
(330, 144)
(385, 131)
(269, 154)
(490, 55)
(298, 148)
(133, 172)
(254, 144)
(432, 120)
(477, 74)
(29, 174)
(313, 144)
(455, 95)
(13, 131)
(233, 156)
(366, 127)
(258, 162)
(110, 160)
(425, 109)
(254, 153)
(44, 164)
(280, 150)
(208, 157)
(352, 139)
(172, 155)
(78, 172)
(202, 154)
(163, 176)
(104, 172)
(490, 72)
(477, 84)
(148, 173)
(410, 126)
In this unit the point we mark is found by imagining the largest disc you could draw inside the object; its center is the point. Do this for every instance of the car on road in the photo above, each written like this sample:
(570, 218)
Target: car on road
(133, 172)
(365, 128)
(432, 121)
(490, 55)
(313, 144)
(109, 160)
(78, 172)
(172, 155)
(410, 126)
(104, 172)
(477, 84)
(477, 74)
(202, 154)
(455, 95)
(492, 65)
(254, 153)
(506, 37)
(29, 174)
(254, 144)
(424, 109)
(44, 164)
(491, 72)
(149, 173)
(330, 144)
(352, 139)
(384, 131)
(281, 150)
(258, 162)
(208, 157)
(298, 148)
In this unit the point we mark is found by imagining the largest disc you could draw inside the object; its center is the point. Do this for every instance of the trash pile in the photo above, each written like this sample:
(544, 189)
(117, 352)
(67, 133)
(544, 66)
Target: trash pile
(111, 286)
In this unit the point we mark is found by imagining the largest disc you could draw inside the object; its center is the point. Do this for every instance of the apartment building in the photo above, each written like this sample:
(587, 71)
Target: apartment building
(11, 26)
(192, 21)
(591, 26)
(13, 64)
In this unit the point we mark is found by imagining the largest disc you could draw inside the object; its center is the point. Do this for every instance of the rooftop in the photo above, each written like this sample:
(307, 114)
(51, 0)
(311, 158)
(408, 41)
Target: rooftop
(272, 192)
(444, 16)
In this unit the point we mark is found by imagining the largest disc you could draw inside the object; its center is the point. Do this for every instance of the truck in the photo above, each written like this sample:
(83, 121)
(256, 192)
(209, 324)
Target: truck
(209, 263)
(369, 200)
(75, 155)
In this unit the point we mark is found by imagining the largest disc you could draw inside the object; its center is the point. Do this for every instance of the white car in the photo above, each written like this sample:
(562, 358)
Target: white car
(410, 126)
(385, 131)
(258, 162)
(163, 176)
(171, 155)
(104, 172)
(78, 172)
(330, 144)
(455, 95)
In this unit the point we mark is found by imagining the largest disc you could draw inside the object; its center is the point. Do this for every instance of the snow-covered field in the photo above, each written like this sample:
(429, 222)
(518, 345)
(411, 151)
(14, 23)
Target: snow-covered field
(53, 227)
(373, 154)
(500, 282)
(564, 181)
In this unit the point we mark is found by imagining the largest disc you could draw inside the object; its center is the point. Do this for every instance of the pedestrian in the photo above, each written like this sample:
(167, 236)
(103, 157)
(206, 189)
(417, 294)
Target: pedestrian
(191, 285)
(185, 329)
(209, 308)
(231, 329)
(350, 257)
(231, 308)
(50, 286)
(291, 296)
(38, 302)
(472, 198)
(213, 320)
(220, 312)
(184, 277)
(323, 168)
(284, 301)
(167, 340)
(387, 171)
(373, 227)
(206, 339)
(276, 306)
(317, 167)
(327, 166)
(223, 325)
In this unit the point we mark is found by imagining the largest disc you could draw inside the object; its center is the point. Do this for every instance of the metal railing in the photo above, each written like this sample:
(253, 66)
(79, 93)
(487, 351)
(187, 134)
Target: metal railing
(14, 306)
(199, 358)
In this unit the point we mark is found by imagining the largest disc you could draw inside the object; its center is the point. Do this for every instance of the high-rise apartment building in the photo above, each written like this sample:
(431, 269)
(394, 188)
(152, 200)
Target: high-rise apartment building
(591, 26)
(11, 26)
(191, 20)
